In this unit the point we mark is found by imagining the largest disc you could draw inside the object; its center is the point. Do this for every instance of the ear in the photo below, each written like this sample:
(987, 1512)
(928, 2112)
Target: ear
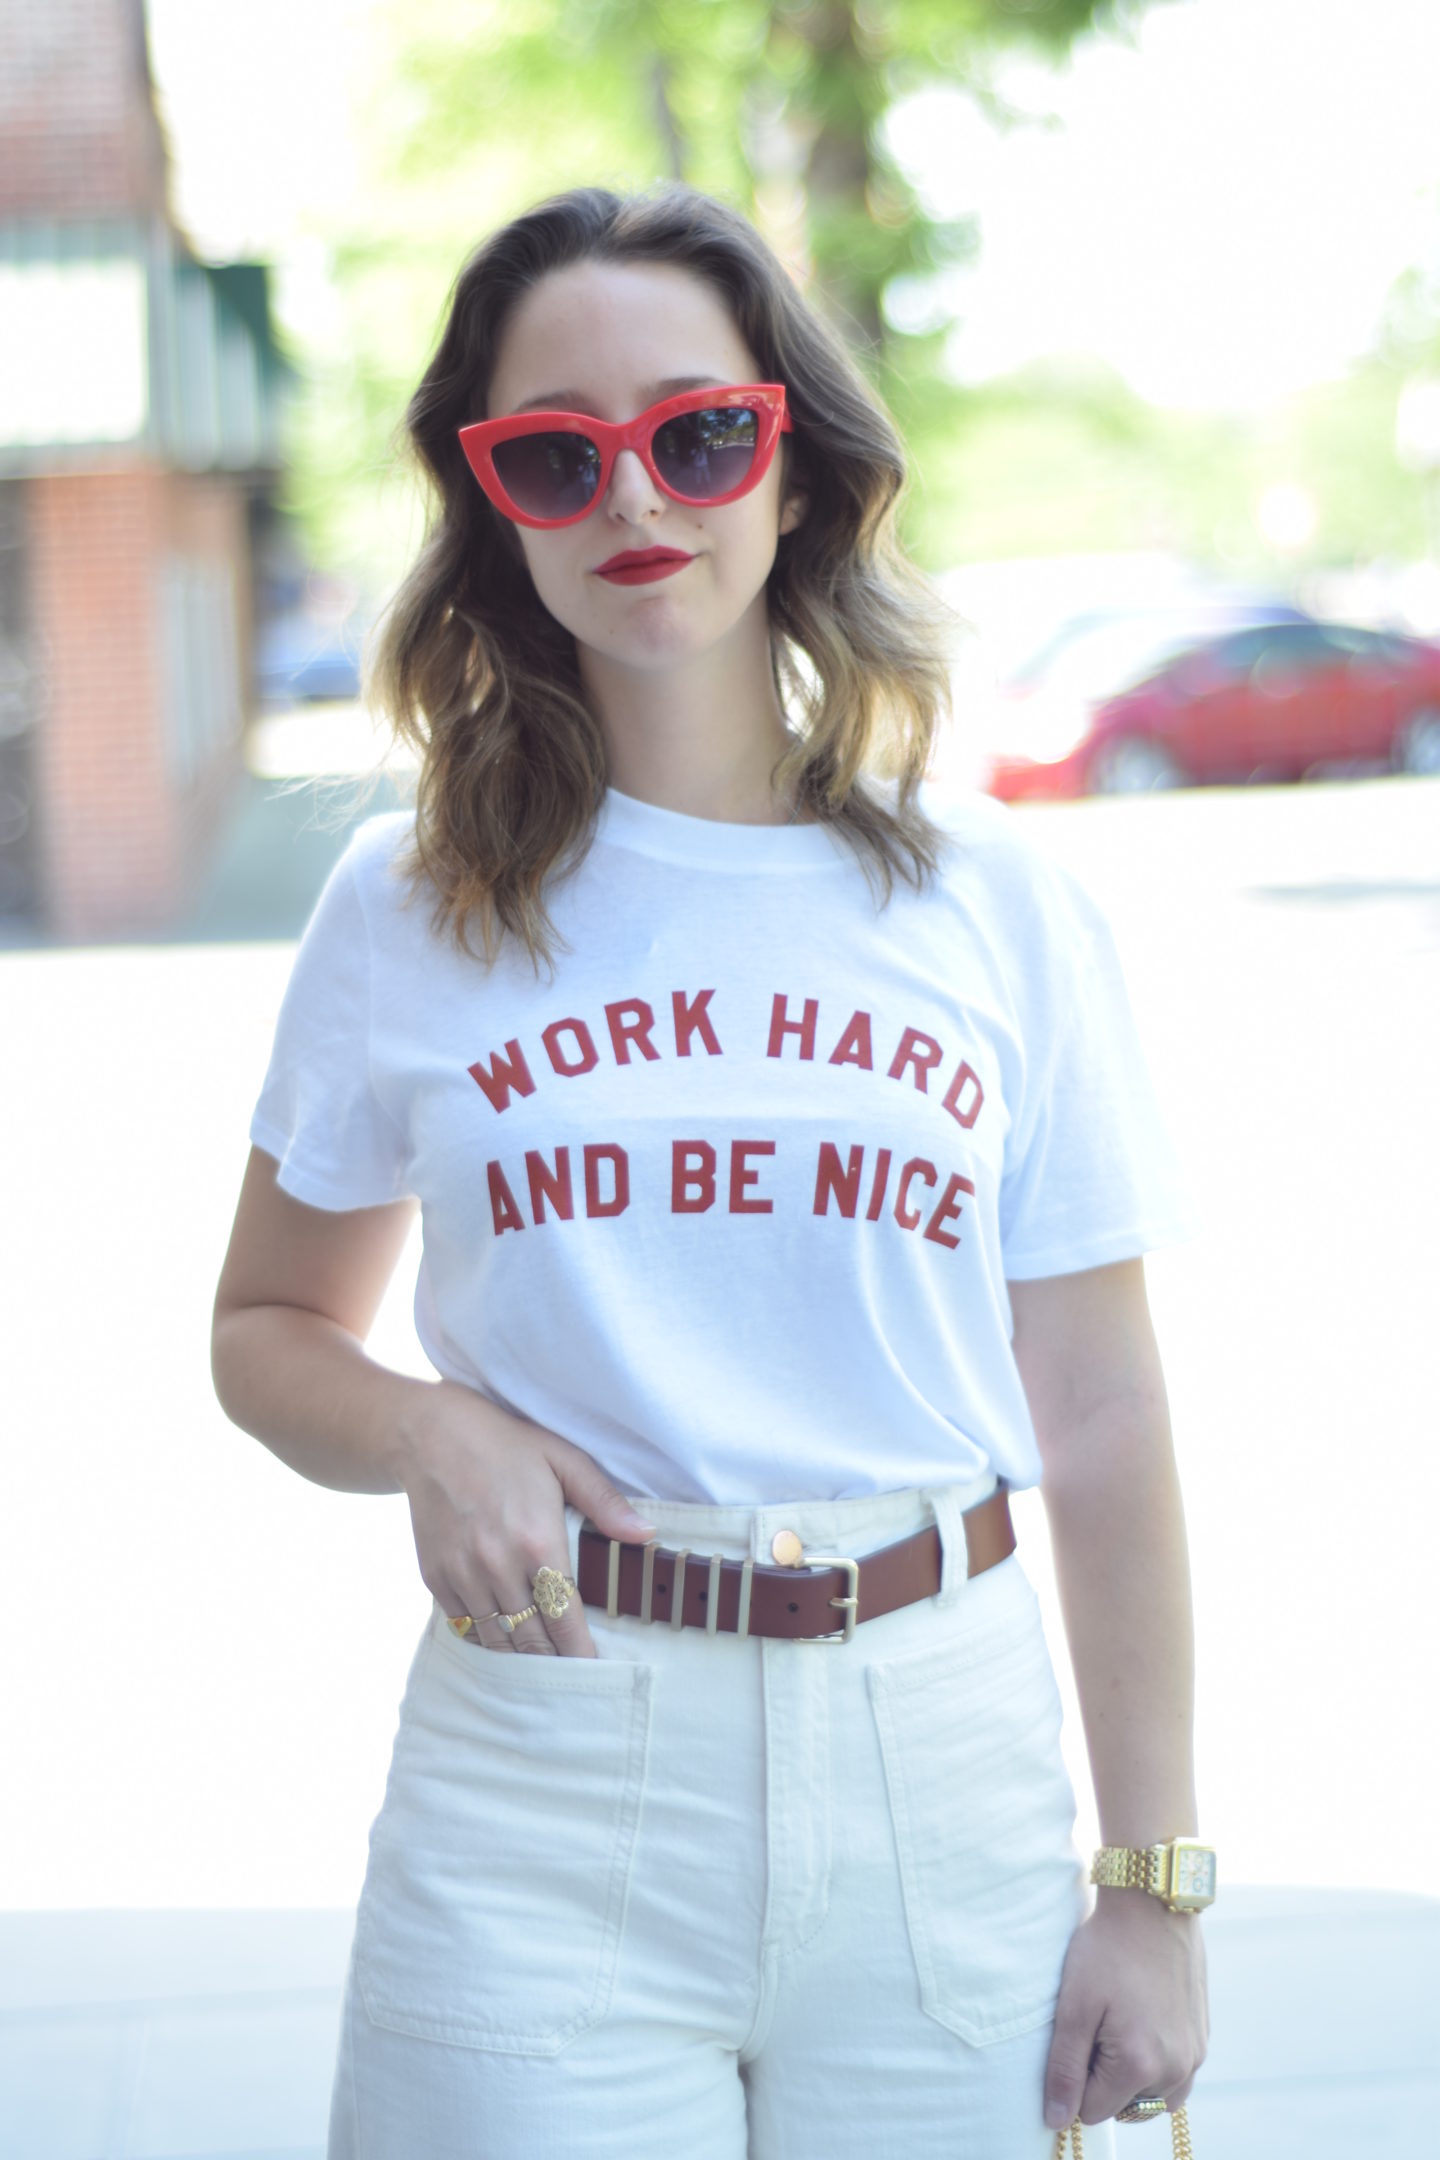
(793, 510)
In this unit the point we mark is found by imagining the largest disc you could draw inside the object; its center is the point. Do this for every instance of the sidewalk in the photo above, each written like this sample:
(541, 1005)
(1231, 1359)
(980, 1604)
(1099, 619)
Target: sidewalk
(292, 820)
(289, 820)
(191, 2036)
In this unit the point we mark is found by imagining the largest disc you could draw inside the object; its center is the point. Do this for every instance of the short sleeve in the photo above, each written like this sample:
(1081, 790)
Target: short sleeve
(318, 1114)
(1091, 1172)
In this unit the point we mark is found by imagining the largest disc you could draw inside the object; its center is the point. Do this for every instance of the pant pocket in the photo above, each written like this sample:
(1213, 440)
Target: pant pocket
(983, 1813)
(494, 1900)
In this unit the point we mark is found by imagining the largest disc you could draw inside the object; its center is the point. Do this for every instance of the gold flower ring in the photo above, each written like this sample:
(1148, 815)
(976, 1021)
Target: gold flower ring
(553, 1592)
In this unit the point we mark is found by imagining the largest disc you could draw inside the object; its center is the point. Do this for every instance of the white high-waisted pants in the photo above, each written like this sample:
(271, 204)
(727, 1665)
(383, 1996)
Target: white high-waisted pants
(719, 1898)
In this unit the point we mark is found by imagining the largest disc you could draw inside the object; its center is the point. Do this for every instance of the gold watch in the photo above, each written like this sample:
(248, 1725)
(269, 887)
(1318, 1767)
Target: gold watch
(1180, 1872)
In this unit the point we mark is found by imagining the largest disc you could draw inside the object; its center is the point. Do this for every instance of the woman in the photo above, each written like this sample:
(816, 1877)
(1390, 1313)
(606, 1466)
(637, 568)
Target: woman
(785, 1157)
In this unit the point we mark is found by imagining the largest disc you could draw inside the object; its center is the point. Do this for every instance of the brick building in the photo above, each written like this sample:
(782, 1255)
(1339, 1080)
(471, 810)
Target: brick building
(139, 394)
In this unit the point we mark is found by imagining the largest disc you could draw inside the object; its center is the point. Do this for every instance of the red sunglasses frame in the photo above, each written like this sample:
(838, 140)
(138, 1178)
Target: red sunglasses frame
(766, 400)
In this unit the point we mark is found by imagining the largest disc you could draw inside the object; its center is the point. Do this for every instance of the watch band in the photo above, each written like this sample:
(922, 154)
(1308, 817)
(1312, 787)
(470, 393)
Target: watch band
(1129, 1867)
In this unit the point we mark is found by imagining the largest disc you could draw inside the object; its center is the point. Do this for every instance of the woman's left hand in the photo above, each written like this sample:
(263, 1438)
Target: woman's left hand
(1132, 2016)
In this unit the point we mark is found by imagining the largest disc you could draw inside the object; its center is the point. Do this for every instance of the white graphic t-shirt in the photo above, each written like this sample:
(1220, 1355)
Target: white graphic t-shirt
(730, 1201)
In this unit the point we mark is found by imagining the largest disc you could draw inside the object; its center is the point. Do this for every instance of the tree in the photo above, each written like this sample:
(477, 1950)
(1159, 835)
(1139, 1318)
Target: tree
(777, 104)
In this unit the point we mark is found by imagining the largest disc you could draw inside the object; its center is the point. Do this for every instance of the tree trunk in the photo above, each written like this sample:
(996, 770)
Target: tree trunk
(838, 169)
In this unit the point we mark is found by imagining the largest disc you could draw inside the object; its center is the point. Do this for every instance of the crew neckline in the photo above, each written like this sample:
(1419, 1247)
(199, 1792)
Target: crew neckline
(712, 844)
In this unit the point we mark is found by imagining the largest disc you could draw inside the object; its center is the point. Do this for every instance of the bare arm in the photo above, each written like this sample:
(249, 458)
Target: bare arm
(298, 1293)
(1087, 1355)
(1132, 2017)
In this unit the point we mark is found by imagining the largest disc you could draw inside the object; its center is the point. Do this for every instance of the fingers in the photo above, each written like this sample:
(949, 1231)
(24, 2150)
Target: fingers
(488, 1632)
(563, 1634)
(1122, 2070)
(476, 1626)
(487, 1504)
(566, 1635)
(1139, 2053)
(586, 1487)
(528, 1638)
(1131, 2020)
(570, 1633)
(1068, 2069)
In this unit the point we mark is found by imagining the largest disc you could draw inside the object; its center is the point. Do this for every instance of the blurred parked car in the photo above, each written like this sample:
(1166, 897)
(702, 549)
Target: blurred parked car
(1145, 704)
(300, 660)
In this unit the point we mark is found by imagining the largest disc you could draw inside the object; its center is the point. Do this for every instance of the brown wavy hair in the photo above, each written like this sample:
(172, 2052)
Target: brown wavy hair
(482, 683)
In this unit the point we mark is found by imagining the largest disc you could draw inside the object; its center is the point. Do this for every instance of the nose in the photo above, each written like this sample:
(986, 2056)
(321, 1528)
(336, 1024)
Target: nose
(632, 495)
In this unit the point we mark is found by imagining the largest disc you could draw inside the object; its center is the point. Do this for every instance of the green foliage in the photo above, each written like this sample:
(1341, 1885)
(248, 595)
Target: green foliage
(478, 109)
(1061, 460)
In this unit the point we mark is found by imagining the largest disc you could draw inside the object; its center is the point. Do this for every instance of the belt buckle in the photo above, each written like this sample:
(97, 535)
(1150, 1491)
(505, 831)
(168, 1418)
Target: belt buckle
(850, 1605)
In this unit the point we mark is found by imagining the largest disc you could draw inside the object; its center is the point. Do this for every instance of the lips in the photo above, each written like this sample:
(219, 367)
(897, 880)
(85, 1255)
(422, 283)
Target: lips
(642, 566)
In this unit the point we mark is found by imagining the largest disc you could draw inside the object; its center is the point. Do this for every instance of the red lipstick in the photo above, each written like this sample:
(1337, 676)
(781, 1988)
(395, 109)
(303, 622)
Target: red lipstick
(643, 566)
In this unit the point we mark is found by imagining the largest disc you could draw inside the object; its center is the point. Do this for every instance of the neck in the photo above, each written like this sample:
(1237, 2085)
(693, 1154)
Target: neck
(701, 736)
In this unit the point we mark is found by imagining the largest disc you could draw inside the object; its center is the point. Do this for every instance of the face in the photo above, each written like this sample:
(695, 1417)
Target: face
(611, 339)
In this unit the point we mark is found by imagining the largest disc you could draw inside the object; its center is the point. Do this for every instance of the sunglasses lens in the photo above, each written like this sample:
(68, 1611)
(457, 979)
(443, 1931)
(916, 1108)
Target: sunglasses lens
(549, 476)
(706, 454)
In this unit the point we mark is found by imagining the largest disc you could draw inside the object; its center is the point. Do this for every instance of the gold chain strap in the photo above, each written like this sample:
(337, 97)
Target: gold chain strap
(1179, 2135)
(1121, 1867)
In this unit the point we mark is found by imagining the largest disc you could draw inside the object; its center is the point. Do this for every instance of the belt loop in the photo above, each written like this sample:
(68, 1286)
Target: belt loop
(954, 1554)
(677, 1588)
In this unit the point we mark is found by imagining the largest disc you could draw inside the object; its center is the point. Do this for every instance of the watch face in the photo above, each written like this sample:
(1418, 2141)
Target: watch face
(1193, 1882)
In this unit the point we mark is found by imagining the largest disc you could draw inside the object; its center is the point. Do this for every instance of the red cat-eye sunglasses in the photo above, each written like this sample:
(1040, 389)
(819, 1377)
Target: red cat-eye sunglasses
(706, 446)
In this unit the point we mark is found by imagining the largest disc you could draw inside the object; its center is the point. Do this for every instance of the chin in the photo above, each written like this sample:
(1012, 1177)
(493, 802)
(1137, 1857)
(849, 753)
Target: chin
(655, 637)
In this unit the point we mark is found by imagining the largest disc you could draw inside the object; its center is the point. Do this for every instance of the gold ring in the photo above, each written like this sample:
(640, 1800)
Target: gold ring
(512, 1620)
(553, 1591)
(462, 1623)
(1143, 2109)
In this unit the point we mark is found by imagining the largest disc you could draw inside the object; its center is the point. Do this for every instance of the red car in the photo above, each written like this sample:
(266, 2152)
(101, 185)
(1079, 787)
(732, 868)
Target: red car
(1269, 701)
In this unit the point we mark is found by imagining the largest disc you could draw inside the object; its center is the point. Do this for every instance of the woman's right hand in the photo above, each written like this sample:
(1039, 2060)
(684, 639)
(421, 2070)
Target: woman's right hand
(487, 1495)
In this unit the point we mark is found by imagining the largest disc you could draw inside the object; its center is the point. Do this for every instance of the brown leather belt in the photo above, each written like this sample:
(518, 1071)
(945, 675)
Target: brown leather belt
(801, 1603)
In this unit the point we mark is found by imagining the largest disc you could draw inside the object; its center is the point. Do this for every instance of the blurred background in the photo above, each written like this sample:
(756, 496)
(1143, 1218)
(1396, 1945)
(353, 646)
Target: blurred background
(1153, 289)
(1154, 292)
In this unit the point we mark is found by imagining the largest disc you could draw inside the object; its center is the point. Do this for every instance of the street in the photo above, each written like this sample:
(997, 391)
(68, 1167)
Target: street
(204, 1653)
